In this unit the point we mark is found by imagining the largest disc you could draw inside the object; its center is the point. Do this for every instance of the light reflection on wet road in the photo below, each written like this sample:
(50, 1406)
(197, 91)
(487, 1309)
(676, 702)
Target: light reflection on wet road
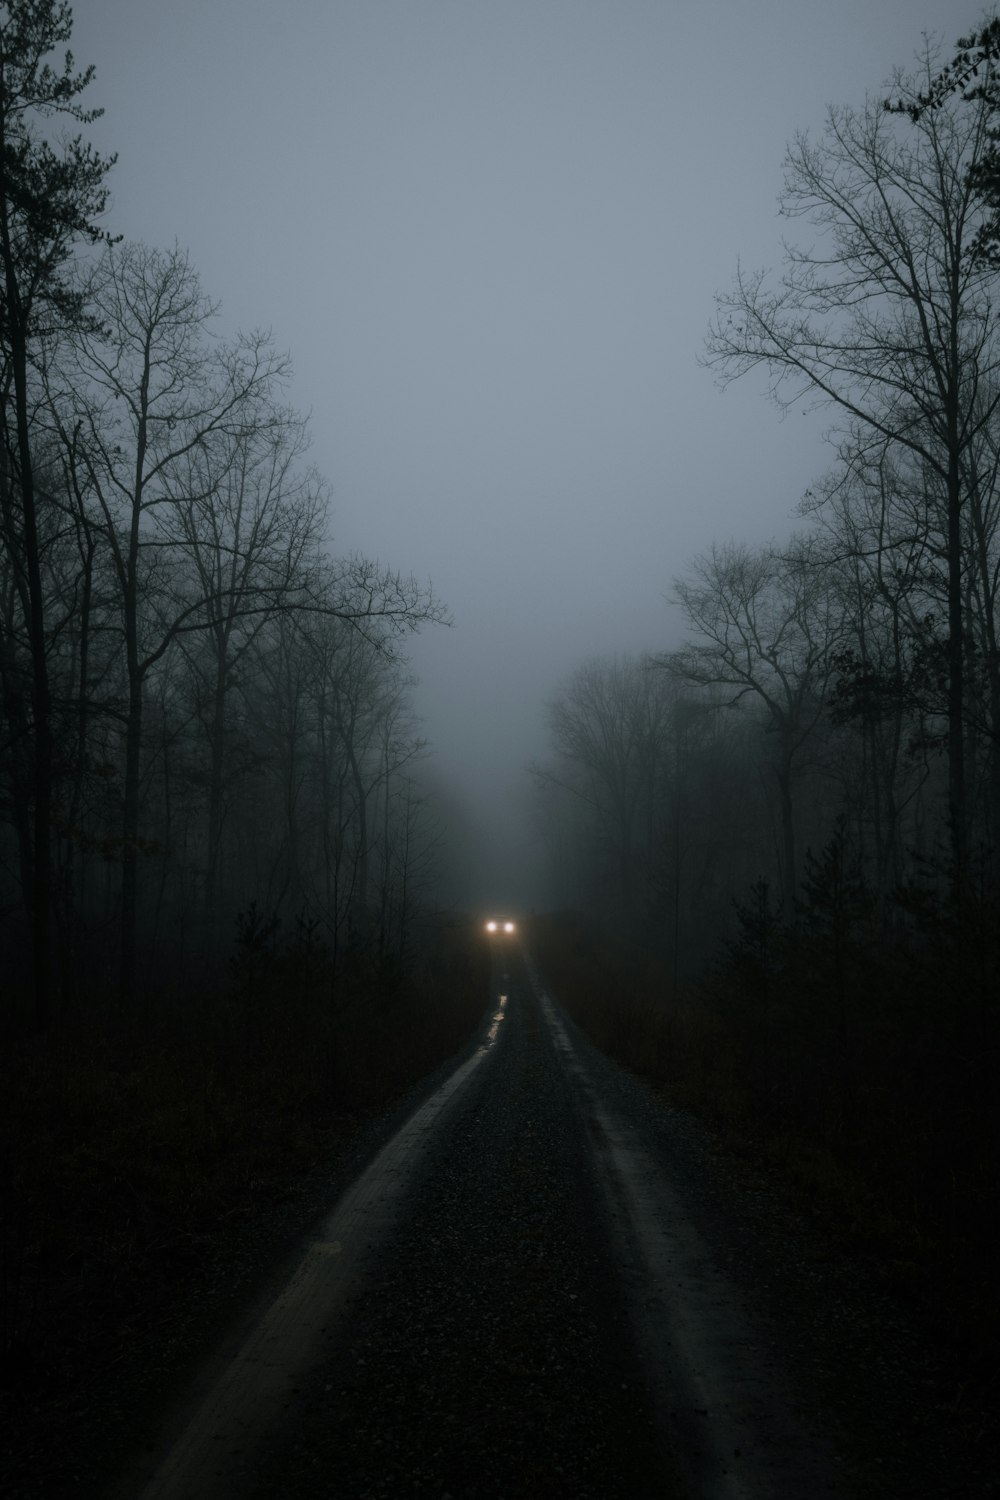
(251, 1389)
(727, 1425)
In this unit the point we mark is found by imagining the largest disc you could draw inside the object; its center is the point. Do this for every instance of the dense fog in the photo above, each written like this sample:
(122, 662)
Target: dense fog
(394, 465)
(490, 237)
(499, 578)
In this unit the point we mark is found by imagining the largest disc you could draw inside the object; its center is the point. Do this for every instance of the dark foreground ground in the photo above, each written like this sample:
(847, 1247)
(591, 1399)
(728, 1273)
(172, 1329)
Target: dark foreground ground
(490, 1345)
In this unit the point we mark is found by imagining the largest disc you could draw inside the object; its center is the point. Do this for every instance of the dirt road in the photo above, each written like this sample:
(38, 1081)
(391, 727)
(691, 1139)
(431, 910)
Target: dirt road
(538, 1288)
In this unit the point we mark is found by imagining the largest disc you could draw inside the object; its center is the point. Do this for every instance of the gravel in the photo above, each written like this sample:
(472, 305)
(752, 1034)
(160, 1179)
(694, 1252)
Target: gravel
(488, 1352)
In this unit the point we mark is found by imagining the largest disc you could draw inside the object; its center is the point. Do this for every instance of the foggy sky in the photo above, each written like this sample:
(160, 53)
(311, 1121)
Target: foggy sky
(490, 234)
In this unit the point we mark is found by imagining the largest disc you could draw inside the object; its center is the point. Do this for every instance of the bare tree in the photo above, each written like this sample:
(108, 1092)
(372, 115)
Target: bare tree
(411, 855)
(325, 701)
(764, 627)
(400, 812)
(249, 518)
(608, 727)
(886, 313)
(885, 560)
(142, 393)
(362, 700)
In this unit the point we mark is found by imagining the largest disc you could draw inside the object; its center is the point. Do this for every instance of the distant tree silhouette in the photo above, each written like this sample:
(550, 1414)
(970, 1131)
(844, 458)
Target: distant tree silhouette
(763, 626)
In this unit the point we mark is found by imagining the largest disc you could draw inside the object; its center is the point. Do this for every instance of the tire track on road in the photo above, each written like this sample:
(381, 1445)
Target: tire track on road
(513, 1300)
(213, 1444)
(727, 1413)
(488, 1356)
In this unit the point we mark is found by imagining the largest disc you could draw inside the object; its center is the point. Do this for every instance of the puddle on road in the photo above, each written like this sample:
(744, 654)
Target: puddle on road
(495, 1020)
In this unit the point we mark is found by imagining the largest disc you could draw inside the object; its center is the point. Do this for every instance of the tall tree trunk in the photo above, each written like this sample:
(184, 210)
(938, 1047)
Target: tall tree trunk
(216, 811)
(130, 849)
(956, 681)
(40, 691)
(67, 912)
(784, 777)
(360, 899)
(128, 570)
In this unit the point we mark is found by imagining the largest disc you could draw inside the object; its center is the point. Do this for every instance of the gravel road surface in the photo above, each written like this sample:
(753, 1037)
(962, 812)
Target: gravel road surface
(510, 1302)
(544, 1285)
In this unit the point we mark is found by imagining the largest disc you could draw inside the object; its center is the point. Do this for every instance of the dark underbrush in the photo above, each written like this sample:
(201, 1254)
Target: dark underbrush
(862, 1065)
(127, 1157)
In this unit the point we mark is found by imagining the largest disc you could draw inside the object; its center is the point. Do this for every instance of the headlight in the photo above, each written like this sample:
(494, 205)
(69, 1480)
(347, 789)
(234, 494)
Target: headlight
(491, 927)
(508, 927)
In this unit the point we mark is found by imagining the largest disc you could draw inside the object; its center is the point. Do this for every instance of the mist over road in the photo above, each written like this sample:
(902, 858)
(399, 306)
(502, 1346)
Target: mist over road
(513, 1300)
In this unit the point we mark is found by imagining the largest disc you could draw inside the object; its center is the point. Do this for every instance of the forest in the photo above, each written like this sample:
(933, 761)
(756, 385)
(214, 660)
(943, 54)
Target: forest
(216, 848)
(789, 825)
(774, 847)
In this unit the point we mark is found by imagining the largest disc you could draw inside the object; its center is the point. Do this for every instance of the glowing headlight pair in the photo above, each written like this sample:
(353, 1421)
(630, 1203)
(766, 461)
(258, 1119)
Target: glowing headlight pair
(493, 926)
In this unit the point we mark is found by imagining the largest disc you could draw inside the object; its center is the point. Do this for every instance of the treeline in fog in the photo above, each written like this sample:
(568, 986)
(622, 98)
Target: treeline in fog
(217, 848)
(205, 712)
(791, 821)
